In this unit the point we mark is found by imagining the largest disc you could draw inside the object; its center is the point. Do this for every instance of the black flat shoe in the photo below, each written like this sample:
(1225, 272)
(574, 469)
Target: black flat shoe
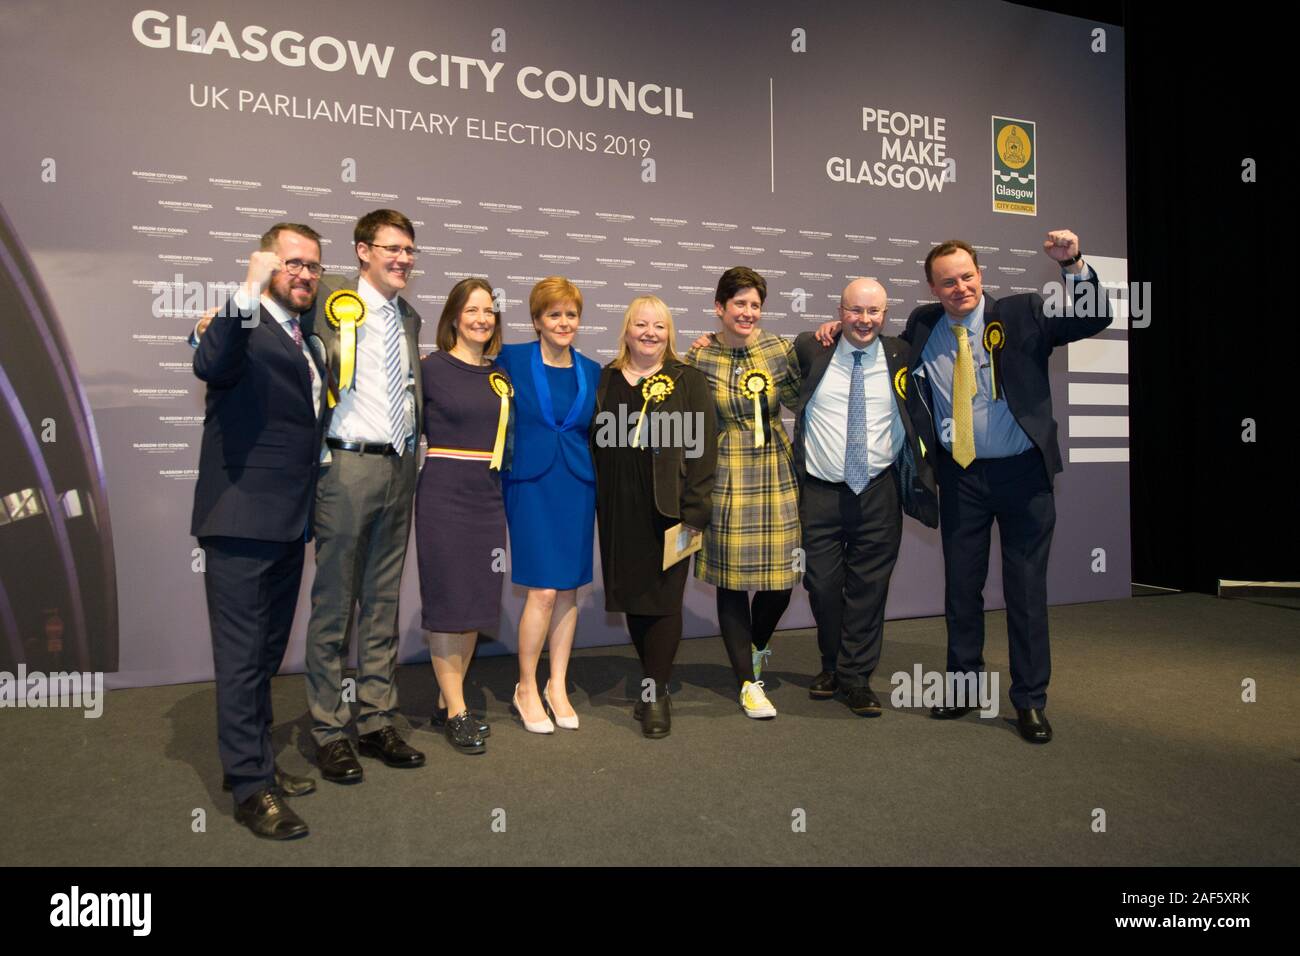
(439, 719)
(1033, 726)
(268, 816)
(656, 718)
(863, 701)
(287, 783)
(337, 762)
(463, 734)
(387, 745)
(823, 686)
(949, 713)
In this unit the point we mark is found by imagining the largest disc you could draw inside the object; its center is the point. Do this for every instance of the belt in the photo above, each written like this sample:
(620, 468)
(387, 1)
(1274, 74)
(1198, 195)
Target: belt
(839, 484)
(360, 447)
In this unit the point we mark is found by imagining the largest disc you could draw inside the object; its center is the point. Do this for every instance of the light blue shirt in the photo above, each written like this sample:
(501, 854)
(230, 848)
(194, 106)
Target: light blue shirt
(997, 433)
(826, 415)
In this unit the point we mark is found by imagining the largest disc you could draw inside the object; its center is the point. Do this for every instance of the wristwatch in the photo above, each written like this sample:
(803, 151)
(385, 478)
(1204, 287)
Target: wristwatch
(1069, 262)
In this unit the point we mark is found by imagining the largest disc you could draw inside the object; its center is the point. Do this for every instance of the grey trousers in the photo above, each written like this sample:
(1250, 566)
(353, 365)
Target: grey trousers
(363, 521)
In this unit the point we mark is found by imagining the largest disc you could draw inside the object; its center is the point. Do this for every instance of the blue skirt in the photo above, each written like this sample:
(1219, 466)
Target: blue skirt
(552, 521)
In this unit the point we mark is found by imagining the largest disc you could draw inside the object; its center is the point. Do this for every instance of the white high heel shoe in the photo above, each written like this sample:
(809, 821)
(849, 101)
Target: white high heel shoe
(543, 726)
(568, 723)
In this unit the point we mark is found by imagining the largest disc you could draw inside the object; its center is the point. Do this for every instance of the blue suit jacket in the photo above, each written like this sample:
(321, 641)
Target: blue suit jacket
(1031, 335)
(259, 459)
(539, 440)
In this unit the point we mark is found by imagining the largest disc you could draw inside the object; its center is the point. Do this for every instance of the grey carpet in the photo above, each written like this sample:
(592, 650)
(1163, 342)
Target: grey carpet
(1145, 700)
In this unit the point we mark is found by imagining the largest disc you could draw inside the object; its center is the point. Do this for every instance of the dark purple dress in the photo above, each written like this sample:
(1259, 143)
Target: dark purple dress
(460, 522)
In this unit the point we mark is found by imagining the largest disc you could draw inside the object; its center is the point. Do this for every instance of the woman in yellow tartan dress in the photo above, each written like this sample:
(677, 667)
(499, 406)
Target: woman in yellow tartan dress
(750, 542)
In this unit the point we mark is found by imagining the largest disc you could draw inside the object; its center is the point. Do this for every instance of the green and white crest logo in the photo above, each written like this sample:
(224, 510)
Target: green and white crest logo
(1015, 164)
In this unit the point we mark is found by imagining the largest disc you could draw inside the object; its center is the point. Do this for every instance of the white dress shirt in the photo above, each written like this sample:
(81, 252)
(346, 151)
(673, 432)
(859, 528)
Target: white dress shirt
(282, 315)
(362, 412)
(826, 417)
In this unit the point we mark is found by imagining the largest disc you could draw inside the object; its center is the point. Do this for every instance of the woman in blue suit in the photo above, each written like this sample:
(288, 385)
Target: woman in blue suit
(550, 494)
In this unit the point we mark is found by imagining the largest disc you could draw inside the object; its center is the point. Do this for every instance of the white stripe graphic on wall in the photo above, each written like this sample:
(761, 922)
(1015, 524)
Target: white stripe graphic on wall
(1105, 354)
(1099, 426)
(1085, 455)
(1091, 393)
(1099, 356)
(1113, 274)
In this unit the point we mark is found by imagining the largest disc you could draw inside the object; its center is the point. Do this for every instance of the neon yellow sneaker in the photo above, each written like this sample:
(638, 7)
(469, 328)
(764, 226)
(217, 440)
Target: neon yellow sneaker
(759, 658)
(755, 702)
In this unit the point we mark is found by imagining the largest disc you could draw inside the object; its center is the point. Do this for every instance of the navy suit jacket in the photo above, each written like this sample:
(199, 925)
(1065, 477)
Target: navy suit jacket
(539, 440)
(1022, 377)
(261, 436)
(919, 489)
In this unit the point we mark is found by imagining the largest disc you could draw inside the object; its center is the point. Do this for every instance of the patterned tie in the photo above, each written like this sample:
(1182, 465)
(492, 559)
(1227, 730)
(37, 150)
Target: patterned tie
(396, 381)
(855, 448)
(296, 331)
(963, 392)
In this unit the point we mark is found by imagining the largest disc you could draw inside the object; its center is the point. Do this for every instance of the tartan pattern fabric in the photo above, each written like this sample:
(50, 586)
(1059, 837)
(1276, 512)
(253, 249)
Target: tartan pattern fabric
(754, 530)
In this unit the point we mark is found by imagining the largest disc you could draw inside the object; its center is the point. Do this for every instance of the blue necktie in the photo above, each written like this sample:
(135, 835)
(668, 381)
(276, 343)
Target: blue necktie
(396, 383)
(855, 448)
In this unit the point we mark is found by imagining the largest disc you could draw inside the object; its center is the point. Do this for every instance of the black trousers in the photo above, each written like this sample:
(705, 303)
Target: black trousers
(851, 544)
(1017, 492)
(252, 589)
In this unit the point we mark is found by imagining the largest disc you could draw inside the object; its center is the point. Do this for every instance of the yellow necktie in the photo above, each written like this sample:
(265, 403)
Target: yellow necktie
(963, 391)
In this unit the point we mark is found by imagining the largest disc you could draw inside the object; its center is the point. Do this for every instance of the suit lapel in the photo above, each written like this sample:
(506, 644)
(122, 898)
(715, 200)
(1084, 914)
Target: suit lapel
(291, 349)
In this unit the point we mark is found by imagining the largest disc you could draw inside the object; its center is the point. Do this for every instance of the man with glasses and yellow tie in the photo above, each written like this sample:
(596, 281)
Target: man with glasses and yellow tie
(980, 366)
(364, 498)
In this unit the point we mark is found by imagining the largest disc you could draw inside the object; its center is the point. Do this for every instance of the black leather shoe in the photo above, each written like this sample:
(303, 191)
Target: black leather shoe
(387, 745)
(863, 701)
(337, 762)
(823, 686)
(949, 713)
(439, 719)
(656, 718)
(1033, 725)
(267, 815)
(463, 734)
(287, 783)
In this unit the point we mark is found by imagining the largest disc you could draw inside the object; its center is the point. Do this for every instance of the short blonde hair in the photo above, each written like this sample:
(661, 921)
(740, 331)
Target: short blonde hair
(656, 305)
(550, 290)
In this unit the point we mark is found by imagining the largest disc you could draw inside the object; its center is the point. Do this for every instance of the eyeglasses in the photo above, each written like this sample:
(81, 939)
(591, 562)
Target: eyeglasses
(295, 266)
(396, 251)
(858, 312)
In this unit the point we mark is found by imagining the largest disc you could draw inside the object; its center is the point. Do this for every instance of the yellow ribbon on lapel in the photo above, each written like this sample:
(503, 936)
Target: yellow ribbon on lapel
(995, 336)
(657, 387)
(501, 385)
(345, 311)
(757, 383)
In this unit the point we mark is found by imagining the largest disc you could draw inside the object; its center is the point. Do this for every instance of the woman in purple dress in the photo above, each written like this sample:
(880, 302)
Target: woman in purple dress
(460, 523)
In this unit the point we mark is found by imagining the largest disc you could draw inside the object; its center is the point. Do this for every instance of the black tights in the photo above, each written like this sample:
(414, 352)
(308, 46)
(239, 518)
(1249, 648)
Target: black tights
(742, 626)
(656, 638)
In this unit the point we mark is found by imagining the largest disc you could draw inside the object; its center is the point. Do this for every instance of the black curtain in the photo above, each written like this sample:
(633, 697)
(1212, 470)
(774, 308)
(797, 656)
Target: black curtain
(1222, 262)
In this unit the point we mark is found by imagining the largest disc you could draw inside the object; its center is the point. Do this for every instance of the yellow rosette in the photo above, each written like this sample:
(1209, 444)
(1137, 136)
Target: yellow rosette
(900, 383)
(345, 311)
(995, 337)
(757, 384)
(501, 385)
(656, 388)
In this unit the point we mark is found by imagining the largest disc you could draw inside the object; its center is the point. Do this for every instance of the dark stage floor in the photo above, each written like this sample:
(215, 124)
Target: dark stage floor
(1146, 701)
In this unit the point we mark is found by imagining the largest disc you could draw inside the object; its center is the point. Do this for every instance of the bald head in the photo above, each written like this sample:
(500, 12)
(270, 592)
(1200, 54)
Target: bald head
(863, 307)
